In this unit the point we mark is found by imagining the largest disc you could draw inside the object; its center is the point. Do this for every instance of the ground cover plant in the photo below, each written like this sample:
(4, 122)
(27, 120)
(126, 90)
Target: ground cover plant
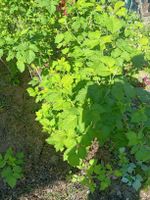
(11, 167)
(84, 58)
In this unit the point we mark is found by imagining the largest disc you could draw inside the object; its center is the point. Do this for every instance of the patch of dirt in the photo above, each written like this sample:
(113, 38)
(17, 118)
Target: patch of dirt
(145, 194)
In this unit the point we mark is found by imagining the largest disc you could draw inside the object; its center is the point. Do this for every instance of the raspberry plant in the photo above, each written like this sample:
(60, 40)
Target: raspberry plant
(84, 64)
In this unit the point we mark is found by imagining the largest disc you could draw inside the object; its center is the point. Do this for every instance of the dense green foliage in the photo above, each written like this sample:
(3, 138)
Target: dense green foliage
(26, 31)
(84, 67)
(11, 167)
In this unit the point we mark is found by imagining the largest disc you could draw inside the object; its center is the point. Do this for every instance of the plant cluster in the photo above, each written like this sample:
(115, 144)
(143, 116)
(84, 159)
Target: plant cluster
(84, 66)
(11, 167)
(26, 31)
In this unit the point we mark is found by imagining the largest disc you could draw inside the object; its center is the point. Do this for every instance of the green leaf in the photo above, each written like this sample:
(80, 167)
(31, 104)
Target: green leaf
(9, 154)
(119, 139)
(130, 91)
(117, 91)
(108, 61)
(17, 169)
(68, 120)
(31, 92)
(82, 152)
(59, 38)
(118, 5)
(114, 24)
(1, 53)
(143, 154)
(139, 116)
(104, 134)
(101, 69)
(73, 159)
(7, 174)
(10, 56)
(2, 42)
(104, 184)
(30, 56)
(122, 12)
(97, 169)
(21, 65)
(133, 138)
(67, 80)
(144, 41)
(33, 47)
(137, 184)
(117, 173)
(125, 180)
(11, 180)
